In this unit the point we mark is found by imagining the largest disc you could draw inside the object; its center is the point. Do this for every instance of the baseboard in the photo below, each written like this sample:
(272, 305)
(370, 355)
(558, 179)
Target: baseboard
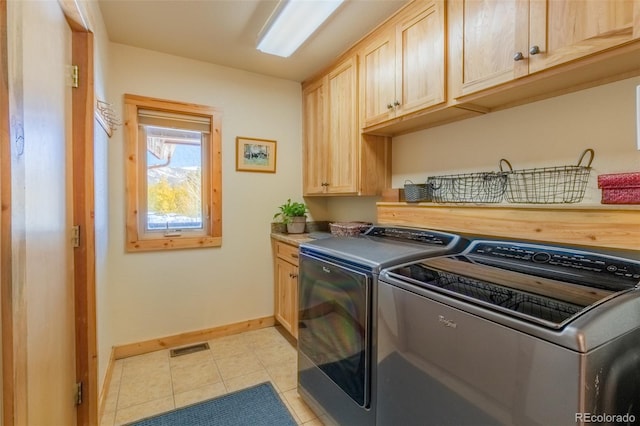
(102, 398)
(132, 349)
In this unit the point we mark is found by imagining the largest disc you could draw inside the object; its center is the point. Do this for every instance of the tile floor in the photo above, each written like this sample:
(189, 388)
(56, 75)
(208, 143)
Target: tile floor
(148, 384)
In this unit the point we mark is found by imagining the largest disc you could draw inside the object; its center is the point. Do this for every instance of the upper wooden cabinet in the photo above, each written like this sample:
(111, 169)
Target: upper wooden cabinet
(436, 61)
(341, 160)
(331, 132)
(337, 159)
(314, 126)
(562, 31)
(403, 67)
(500, 41)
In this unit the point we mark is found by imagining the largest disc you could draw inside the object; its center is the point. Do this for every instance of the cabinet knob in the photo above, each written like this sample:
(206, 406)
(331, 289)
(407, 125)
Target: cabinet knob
(396, 103)
(518, 56)
(534, 50)
(389, 106)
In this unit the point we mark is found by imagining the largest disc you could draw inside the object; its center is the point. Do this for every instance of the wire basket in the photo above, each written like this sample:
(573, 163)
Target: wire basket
(416, 192)
(486, 187)
(548, 185)
(348, 229)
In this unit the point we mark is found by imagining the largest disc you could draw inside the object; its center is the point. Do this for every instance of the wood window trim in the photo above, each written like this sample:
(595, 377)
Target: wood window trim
(135, 238)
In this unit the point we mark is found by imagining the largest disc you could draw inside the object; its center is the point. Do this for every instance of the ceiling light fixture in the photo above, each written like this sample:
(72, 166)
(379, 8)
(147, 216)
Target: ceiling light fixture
(292, 23)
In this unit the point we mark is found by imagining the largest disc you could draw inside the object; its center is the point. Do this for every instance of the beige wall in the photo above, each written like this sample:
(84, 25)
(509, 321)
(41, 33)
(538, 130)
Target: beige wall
(347, 209)
(548, 133)
(92, 15)
(152, 295)
(553, 132)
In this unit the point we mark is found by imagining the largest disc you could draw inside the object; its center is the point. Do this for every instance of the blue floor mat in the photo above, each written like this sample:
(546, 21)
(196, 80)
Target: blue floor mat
(259, 405)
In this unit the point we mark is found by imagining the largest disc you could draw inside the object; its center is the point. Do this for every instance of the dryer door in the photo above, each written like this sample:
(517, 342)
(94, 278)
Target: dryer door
(334, 324)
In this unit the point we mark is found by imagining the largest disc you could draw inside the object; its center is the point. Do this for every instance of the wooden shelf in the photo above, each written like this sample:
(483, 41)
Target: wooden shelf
(589, 225)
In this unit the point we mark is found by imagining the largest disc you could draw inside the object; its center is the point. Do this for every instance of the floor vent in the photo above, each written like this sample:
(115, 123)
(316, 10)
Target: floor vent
(185, 350)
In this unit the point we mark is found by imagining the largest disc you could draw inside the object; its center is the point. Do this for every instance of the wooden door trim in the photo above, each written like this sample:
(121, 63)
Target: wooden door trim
(14, 324)
(83, 107)
(6, 290)
(83, 216)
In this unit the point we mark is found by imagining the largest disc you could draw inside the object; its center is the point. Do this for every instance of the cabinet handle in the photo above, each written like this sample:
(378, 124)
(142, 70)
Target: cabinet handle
(534, 50)
(389, 106)
(293, 275)
(396, 103)
(294, 255)
(518, 56)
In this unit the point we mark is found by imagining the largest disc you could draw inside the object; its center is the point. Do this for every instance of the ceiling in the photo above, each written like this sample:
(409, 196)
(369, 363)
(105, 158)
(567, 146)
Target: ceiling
(225, 32)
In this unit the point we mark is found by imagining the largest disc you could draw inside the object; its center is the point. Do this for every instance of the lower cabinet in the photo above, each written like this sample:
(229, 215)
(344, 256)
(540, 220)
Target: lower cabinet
(286, 286)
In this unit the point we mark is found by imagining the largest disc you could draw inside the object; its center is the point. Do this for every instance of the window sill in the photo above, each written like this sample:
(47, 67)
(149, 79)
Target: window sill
(173, 243)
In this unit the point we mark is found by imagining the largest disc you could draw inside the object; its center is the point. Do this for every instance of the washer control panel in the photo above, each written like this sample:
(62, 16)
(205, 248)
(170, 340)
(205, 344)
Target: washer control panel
(591, 265)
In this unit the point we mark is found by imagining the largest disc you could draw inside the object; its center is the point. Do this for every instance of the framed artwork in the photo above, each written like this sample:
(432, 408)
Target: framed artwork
(255, 155)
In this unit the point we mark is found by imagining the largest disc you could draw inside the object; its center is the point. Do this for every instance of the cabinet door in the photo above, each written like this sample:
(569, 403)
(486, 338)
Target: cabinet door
(564, 30)
(420, 60)
(314, 146)
(343, 132)
(378, 79)
(286, 301)
(492, 33)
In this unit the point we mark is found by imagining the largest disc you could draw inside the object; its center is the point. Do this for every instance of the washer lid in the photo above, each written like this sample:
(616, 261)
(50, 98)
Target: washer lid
(547, 285)
(383, 247)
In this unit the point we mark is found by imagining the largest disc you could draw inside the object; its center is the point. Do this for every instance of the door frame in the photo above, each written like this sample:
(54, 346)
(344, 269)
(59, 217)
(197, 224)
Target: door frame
(13, 341)
(6, 291)
(83, 101)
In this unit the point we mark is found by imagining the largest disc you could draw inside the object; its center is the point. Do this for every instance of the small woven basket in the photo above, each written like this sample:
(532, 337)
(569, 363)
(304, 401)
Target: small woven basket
(416, 192)
(348, 229)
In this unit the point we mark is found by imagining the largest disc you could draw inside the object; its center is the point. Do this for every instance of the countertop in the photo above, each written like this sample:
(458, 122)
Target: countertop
(297, 239)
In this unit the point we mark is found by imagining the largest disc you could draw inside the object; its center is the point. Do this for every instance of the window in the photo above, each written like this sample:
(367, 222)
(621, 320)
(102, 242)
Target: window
(173, 175)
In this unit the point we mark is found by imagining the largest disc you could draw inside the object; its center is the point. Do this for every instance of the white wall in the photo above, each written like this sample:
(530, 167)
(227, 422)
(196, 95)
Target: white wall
(548, 133)
(152, 295)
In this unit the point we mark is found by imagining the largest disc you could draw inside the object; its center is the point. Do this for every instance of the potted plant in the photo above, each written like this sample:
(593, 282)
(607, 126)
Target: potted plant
(294, 215)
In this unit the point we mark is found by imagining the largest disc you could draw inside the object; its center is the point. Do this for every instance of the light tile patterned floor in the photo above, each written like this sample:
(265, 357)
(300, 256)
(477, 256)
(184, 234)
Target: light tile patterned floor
(149, 384)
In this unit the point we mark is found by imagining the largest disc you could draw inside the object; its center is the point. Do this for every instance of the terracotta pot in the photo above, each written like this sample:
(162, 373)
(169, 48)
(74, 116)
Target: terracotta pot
(297, 225)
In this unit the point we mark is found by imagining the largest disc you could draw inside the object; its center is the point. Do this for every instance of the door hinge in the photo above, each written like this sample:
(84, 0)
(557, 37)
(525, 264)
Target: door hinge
(75, 236)
(74, 76)
(78, 393)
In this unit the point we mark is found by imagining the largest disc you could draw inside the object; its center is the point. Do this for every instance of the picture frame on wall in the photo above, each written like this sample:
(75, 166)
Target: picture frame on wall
(255, 155)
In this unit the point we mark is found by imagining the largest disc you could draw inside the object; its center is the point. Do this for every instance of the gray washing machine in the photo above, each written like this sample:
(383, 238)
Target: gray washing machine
(510, 333)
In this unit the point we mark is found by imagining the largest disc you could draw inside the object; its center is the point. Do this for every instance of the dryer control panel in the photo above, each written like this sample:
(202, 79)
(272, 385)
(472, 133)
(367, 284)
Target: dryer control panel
(423, 236)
